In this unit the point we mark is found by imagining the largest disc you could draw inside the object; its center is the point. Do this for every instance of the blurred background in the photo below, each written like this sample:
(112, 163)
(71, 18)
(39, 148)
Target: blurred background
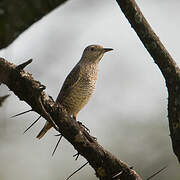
(128, 112)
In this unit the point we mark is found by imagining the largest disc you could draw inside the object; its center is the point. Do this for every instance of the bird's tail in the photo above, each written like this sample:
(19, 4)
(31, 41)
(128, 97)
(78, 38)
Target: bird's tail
(46, 127)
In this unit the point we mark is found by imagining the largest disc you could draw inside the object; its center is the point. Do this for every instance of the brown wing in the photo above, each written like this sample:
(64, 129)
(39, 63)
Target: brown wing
(69, 83)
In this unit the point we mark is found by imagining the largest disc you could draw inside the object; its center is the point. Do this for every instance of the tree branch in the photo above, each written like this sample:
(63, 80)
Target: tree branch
(165, 62)
(17, 16)
(29, 90)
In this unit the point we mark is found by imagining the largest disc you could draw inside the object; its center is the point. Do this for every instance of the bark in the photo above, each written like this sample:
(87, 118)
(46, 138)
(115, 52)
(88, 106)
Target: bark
(165, 62)
(31, 91)
(18, 15)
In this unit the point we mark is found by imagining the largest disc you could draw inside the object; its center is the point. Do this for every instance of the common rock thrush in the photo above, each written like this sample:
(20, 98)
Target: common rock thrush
(80, 84)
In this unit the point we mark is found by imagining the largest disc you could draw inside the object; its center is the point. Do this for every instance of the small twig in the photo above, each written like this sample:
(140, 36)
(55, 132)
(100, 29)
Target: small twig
(156, 173)
(21, 113)
(77, 170)
(2, 99)
(57, 144)
(23, 65)
(32, 124)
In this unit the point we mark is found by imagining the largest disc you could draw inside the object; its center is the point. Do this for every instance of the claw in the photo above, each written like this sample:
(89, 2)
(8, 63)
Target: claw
(81, 124)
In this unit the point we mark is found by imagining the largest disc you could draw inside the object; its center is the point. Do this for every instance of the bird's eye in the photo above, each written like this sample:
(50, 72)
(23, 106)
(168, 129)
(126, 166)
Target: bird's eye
(92, 49)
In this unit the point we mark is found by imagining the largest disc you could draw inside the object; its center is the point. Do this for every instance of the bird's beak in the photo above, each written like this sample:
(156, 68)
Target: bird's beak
(107, 49)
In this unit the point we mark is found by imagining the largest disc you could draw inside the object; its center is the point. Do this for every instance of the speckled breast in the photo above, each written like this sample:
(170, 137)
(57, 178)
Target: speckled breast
(82, 91)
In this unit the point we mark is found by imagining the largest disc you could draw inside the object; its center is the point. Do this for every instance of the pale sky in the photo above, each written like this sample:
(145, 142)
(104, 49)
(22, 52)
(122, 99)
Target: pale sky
(128, 111)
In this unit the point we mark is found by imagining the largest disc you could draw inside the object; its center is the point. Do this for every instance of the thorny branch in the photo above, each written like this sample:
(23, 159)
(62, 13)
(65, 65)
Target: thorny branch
(29, 90)
(165, 62)
(22, 84)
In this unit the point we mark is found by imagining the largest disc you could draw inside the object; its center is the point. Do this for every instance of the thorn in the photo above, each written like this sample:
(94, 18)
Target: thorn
(23, 65)
(156, 173)
(115, 176)
(76, 155)
(32, 124)
(51, 98)
(2, 98)
(77, 170)
(57, 135)
(21, 113)
(57, 144)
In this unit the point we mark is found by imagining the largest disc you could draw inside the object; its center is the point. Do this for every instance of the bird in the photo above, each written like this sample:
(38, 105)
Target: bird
(80, 83)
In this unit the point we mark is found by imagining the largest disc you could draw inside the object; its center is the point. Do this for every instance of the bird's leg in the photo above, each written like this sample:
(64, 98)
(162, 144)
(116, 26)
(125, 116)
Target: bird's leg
(74, 117)
(80, 123)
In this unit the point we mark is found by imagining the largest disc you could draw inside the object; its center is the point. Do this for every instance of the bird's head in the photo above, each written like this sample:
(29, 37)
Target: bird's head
(94, 53)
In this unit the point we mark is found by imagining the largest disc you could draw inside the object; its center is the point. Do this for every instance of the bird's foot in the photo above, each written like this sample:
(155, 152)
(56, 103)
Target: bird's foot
(95, 138)
(81, 124)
